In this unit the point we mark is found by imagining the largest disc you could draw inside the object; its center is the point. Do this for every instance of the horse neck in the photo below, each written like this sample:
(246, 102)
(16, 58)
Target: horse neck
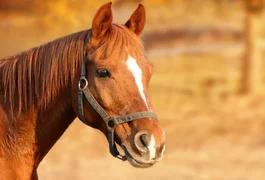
(37, 130)
(26, 144)
(52, 122)
(30, 136)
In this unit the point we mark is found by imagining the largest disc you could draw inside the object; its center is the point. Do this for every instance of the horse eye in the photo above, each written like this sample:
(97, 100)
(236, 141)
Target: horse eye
(102, 73)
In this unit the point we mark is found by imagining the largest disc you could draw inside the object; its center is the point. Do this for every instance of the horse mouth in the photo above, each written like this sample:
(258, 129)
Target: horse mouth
(135, 161)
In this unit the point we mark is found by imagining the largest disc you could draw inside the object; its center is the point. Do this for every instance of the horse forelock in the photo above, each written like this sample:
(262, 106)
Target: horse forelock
(119, 41)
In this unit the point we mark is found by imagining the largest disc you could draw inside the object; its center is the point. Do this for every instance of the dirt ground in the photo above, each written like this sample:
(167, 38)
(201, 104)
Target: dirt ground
(212, 132)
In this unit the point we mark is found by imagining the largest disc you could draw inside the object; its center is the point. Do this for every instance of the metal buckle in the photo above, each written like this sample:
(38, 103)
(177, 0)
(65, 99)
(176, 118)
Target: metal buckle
(81, 81)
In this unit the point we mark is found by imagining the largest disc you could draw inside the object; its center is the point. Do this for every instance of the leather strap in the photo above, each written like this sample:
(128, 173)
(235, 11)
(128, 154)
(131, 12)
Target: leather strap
(119, 119)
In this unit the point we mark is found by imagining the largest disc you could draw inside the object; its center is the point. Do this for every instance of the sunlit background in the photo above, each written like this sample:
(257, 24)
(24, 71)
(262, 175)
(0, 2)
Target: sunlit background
(207, 88)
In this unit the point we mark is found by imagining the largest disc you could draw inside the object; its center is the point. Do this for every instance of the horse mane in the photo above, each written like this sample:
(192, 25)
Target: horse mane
(35, 77)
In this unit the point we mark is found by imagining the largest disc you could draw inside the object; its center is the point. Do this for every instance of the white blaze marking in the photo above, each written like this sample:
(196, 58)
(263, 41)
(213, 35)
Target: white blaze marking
(152, 148)
(137, 73)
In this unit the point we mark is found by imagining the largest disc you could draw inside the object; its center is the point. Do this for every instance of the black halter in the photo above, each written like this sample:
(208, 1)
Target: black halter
(110, 121)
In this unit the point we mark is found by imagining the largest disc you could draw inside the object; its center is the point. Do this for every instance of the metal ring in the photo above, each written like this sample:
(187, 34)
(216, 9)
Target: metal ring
(80, 83)
(110, 123)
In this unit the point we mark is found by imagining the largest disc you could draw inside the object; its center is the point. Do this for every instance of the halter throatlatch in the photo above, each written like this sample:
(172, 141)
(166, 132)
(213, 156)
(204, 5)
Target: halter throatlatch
(111, 121)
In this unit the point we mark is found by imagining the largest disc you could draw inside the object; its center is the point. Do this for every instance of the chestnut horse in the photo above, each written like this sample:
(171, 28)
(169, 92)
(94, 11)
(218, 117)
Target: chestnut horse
(100, 75)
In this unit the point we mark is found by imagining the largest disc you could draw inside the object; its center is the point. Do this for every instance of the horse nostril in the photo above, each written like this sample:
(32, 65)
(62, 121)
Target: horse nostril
(141, 141)
(144, 139)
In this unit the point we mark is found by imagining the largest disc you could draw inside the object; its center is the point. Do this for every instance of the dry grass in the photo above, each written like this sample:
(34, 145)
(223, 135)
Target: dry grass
(212, 132)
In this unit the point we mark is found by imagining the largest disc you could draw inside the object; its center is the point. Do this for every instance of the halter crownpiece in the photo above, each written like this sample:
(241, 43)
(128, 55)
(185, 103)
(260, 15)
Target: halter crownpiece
(111, 121)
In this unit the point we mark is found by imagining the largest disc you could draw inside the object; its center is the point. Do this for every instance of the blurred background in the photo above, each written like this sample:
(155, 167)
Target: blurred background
(207, 87)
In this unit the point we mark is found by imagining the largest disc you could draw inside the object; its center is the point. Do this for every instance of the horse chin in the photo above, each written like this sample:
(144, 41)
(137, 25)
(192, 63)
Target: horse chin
(136, 162)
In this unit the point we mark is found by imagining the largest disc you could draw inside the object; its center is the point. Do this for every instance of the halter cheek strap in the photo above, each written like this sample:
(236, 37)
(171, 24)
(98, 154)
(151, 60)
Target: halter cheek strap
(110, 121)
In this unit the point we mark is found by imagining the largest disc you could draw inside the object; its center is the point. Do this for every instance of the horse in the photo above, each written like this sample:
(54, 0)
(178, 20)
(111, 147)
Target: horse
(99, 75)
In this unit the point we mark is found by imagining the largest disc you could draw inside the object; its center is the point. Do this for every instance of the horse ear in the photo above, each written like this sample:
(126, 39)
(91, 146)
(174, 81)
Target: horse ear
(137, 20)
(102, 20)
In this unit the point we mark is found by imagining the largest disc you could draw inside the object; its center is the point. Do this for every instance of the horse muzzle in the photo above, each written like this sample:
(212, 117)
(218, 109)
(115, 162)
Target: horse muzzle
(143, 152)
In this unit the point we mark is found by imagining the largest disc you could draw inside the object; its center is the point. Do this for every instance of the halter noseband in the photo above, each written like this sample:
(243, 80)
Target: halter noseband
(111, 121)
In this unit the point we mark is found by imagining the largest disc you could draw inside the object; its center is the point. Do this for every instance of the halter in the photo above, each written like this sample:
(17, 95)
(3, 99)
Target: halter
(111, 121)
